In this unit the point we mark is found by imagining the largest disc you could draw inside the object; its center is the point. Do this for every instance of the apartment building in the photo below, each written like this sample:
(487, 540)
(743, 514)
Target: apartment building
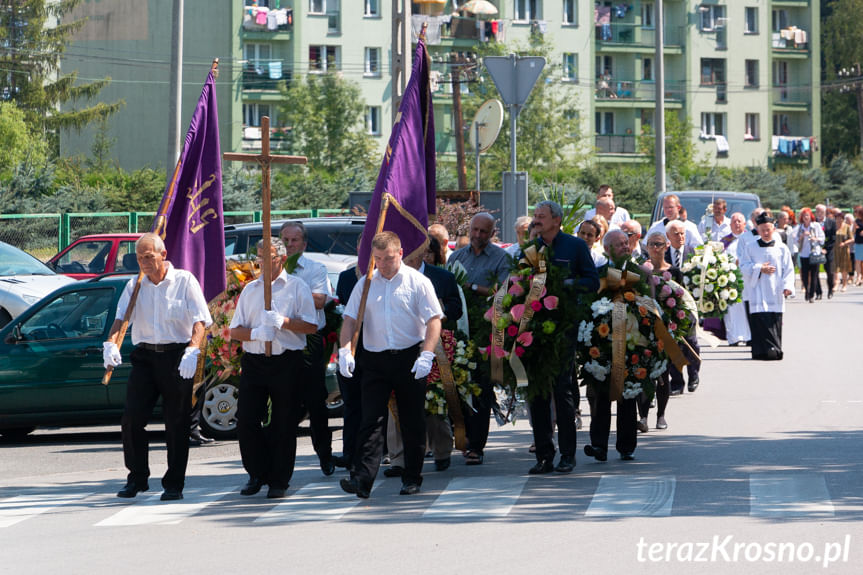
(744, 72)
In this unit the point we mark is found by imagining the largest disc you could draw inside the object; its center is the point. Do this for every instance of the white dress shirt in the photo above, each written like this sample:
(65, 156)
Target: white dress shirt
(291, 297)
(619, 216)
(717, 231)
(397, 309)
(693, 237)
(165, 313)
(315, 275)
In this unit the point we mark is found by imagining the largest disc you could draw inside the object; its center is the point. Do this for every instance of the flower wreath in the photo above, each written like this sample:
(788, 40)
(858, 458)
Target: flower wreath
(713, 278)
(461, 353)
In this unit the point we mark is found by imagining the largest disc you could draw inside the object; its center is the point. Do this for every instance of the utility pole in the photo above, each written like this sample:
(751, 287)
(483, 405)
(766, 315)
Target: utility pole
(401, 45)
(459, 63)
(175, 104)
(659, 115)
(853, 82)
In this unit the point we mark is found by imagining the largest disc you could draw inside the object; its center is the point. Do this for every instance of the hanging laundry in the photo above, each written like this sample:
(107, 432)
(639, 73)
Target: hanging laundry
(276, 70)
(261, 17)
(602, 15)
(620, 10)
(721, 144)
(542, 25)
(272, 22)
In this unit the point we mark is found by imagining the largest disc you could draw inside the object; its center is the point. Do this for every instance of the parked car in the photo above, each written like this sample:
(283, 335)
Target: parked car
(336, 235)
(95, 254)
(696, 202)
(24, 280)
(51, 366)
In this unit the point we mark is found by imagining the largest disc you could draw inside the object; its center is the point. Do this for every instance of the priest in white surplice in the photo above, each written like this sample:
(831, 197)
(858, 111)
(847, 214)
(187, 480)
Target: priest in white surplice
(736, 324)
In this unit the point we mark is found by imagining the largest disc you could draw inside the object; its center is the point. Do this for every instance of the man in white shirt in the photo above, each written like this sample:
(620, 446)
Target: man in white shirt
(719, 226)
(618, 216)
(168, 323)
(671, 209)
(314, 274)
(269, 458)
(632, 229)
(678, 252)
(401, 326)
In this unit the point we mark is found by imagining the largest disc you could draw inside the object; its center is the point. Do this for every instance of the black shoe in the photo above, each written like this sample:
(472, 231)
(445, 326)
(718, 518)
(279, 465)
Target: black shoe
(276, 492)
(341, 461)
(693, 385)
(327, 466)
(830, 295)
(172, 495)
(252, 486)
(441, 464)
(544, 466)
(676, 392)
(429, 455)
(818, 296)
(131, 490)
(566, 464)
(196, 439)
(351, 486)
(627, 456)
(409, 489)
(394, 471)
(597, 453)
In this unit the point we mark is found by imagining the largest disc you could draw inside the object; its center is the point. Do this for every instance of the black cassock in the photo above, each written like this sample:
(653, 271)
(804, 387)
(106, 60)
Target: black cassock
(766, 328)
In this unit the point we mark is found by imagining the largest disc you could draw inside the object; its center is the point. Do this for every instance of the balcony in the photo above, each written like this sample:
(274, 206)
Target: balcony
(263, 24)
(616, 143)
(792, 150)
(791, 42)
(623, 92)
(457, 31)
(791, 98)
(635, 38)
(252, 139)
(265, 75)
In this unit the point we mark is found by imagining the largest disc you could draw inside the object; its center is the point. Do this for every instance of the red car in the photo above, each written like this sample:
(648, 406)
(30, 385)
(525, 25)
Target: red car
(90, 256)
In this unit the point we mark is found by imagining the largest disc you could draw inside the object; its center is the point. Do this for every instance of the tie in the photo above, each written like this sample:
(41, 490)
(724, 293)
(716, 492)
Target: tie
(677, 258)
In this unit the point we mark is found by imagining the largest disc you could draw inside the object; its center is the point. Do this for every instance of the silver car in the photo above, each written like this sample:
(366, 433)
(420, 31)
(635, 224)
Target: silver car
(24, 280)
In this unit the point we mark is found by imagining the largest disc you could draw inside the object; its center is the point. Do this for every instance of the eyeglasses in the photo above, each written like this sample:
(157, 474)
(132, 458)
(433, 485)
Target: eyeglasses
(630, 234)
(655, 245)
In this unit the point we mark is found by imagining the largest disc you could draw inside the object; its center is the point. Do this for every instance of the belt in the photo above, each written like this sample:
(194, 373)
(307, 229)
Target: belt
(414, 347)
(162, 347)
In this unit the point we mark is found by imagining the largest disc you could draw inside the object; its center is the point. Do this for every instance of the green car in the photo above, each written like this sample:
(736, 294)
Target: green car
(51, 366)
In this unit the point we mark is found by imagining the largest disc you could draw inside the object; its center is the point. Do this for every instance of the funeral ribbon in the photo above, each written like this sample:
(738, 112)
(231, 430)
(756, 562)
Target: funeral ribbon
(619, 282)
(452, 399)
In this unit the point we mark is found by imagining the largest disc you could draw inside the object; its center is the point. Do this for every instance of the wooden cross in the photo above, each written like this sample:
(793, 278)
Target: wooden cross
(264, 159)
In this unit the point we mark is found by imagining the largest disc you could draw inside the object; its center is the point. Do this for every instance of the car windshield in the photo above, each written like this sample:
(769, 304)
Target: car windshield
(14, 262)
(696, 206)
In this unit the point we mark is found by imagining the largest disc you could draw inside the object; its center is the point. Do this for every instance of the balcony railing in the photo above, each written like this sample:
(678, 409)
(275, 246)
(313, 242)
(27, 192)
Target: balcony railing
(637, 35)
(792, 39)
(785, 94)
(255, 20)
(608, 90)
(454, 28)
(265, 74)
(616, 143)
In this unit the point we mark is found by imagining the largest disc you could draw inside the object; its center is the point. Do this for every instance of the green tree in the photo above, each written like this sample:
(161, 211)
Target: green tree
(30, 50)
(325, 115)
(17, 141)
(842, 47)
(680, 158)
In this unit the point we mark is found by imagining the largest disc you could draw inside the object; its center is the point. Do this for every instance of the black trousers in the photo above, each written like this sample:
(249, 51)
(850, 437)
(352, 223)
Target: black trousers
(564, 405)
(269, 454)
(600, 422)
(691, 369)
(314, 390)
(810, 279)
(662, 392)
(385, 373)
(352, 410)
(828, 269)
(477, 423)
(155, 374)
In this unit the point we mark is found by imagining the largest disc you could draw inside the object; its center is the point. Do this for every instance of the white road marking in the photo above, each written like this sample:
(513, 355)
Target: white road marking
(789, 496)
(632, 495)
(475, 499)
(22, 507)
(829, 401)
(152, 511)
(314, 502)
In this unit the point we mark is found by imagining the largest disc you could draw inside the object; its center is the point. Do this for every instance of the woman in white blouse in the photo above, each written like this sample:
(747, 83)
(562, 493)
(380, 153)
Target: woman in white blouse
(809, 240)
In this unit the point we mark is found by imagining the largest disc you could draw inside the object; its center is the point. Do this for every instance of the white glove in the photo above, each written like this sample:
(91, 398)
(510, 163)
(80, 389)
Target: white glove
(111, 354)
(189, 363)
(346, 361)
(423, 364)
(274, 319)
(264, 332)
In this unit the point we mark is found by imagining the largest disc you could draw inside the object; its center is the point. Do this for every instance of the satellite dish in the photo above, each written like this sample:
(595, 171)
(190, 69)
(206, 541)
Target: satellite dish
(488, 120)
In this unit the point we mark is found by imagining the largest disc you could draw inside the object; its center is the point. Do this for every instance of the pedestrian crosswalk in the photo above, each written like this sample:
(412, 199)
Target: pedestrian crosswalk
(771, 496)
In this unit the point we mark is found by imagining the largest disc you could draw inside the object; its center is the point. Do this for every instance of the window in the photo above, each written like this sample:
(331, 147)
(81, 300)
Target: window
(712, 17)
(256, 54)
(604, 65)
(647, 69)
(72, 315)
(780, 20)
(753, 132)
(126, 260)
(712, 124)
(528, 10)
(647, 15)
(373, 8)
(252, 114)
(570, 13)
(317, 6)
(373, 120)
(750, 21)
(570, 67)
(712, 71)
(780, 125)
(373, 62)
(323, 58)
(751, 76)
(604, 123)
(85, 257)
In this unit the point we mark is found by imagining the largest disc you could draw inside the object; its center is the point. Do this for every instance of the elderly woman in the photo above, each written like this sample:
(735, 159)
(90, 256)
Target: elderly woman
(810, 239)
(842, 251)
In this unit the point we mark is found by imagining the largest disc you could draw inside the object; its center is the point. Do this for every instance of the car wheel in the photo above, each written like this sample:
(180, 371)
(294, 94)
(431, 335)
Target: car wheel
(219, 411)
(16, 433)
(5, 317)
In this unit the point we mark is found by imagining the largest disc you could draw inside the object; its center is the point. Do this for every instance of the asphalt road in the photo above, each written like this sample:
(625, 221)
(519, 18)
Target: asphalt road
(760, 471)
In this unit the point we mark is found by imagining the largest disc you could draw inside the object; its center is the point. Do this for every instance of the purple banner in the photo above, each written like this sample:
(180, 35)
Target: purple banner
(194, 227)
(408, 169)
